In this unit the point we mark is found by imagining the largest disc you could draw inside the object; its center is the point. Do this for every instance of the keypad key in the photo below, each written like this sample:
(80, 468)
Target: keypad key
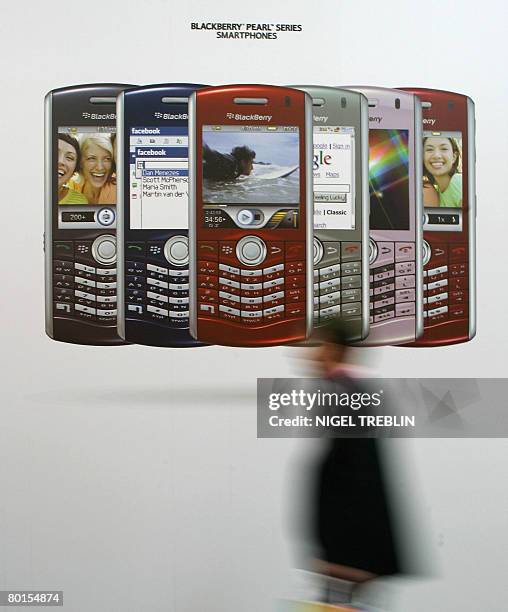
(351, 310)
(295, 310)
(329, 312)
(135, 297)
(405, 295)
(63, 249)
(63, 281)
(351, 295)
(434, 312)
(351, 282)
(294, 267)
(208, 249)
(384, 302)
(229, 310)
(383, 288)
(63, 295)
(295, 251)
(459, 297)
(133, 267)
(404, 251)
(379, 276)
(63, 267)
(135, 310)
(458, 253)
(458, 269)
(208, 310)
(295, 282)
(404, 282)
(179, 273)
(63, 309)
(405, 310)
(405, 268)
(206, 295)
(459, 284)
(207, 282)
(135, 249)
(458, 311)
(330, 299)
(385, 253)
(179, 314)
(385, 316)
(157, 310)
(351, 251)
(277, 295)
(352, 267)
(295, 295)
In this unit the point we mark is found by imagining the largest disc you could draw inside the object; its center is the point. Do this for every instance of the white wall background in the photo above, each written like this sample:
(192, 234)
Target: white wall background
(131, 477)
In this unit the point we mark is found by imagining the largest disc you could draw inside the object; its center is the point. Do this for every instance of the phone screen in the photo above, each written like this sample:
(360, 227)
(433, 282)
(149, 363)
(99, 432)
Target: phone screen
(389, 179)
(442, 180)
(333, 172)
(251, 174)
(86, 175)
(159, 177)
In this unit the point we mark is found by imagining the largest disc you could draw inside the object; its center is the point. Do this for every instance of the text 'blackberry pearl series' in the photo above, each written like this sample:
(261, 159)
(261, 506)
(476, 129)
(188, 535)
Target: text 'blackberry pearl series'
(250, 151)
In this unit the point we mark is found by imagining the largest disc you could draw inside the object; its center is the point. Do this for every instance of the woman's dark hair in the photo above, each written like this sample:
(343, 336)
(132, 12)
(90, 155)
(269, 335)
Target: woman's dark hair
(456, 152)
(72, 141)
(241, 153)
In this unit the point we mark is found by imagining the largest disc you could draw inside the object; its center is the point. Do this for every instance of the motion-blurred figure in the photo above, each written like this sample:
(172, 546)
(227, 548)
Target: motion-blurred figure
(351, 523)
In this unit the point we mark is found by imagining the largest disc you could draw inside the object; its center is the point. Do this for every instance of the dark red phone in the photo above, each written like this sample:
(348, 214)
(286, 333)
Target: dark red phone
(250, 218)
(449, 217)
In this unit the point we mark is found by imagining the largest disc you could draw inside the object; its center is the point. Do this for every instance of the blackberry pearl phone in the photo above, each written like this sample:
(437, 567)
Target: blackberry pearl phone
(80, 214)
(153, 253)
(250, 152)
(449, 290)
(396, 269)
(341, 207)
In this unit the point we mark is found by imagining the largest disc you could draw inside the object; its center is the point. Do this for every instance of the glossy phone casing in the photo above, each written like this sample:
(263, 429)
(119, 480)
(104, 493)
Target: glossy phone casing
(450, 255)
(291, 247)
(144, 255)
(396, 275)
(344, 249)
(70, 254)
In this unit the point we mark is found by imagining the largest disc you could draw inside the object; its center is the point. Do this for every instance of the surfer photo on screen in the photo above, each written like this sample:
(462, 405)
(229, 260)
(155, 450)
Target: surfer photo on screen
(225, 166)
(442, 179)
(251, 165)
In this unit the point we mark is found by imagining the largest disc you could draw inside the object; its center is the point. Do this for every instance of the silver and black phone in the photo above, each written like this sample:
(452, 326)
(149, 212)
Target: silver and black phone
(80, 214)
(341, 208)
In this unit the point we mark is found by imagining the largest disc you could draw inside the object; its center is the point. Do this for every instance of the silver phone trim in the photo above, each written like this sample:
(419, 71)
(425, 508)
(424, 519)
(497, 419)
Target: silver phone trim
(48, 212)
(418, 156)
(309, 216)
(193, 322)
(364, 144)
(471, 198)
(120, 219)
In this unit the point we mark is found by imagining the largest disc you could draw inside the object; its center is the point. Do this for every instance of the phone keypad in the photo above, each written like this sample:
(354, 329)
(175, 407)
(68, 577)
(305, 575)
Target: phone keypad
(393, 282)
(338, 282)
(271, 291)
(155, 290)
(83, 289)
(446, 283)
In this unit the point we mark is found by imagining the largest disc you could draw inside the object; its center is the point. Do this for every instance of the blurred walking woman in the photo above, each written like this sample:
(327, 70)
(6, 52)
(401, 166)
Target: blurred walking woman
(68, 162)
(97, 169)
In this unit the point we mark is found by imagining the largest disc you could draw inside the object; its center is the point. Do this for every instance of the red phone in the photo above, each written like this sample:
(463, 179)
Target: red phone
(250, 221)
(449, 217)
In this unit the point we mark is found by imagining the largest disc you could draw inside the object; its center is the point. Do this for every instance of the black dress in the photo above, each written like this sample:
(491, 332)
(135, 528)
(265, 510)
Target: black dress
(353, 521)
